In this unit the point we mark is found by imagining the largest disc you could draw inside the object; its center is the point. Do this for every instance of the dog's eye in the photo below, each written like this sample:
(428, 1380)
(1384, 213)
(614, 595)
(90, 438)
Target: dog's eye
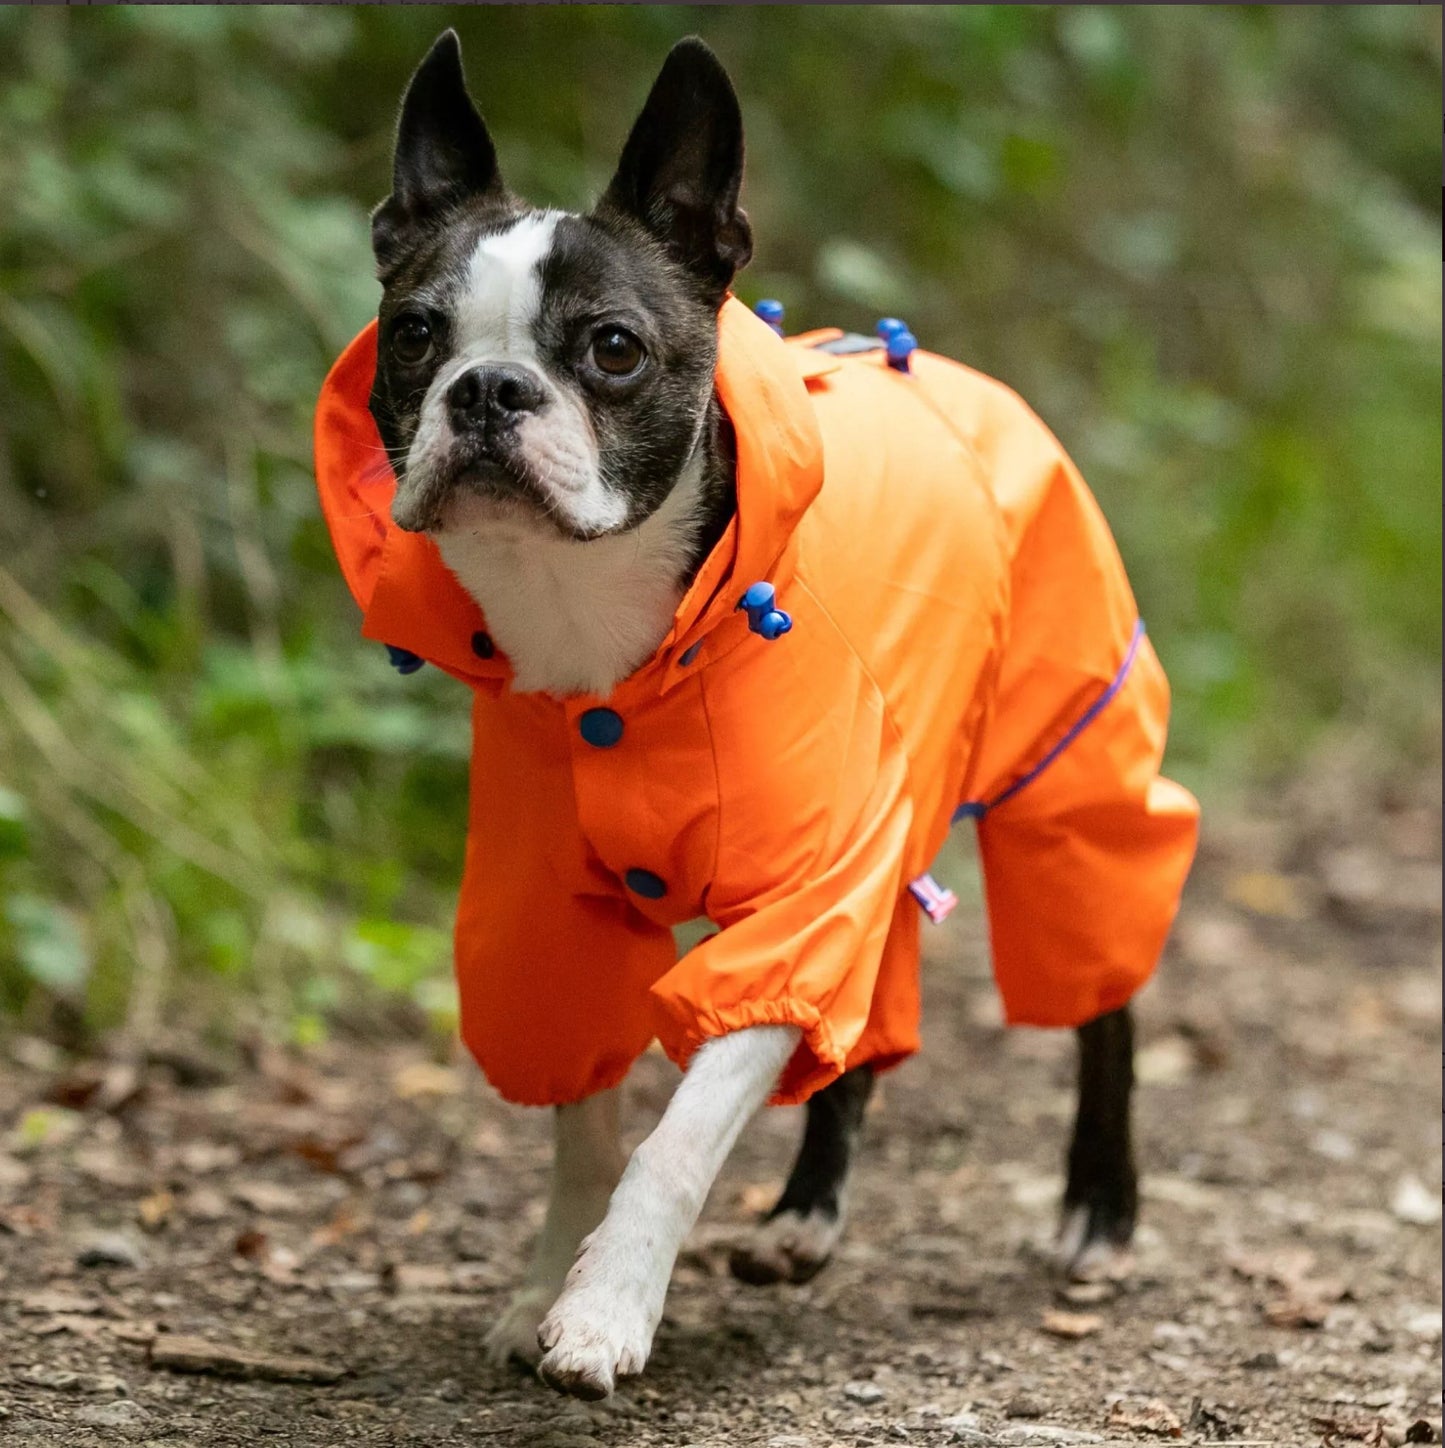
(616, 352)
(411, 339)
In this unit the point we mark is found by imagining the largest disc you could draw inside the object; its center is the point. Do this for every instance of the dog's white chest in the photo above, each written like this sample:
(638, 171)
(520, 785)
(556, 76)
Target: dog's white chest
(578, 617)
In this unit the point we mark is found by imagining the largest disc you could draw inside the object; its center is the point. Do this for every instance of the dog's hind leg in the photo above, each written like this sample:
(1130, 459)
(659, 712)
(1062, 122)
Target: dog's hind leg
(587, 1167)
(794, 1241)
(1101, 1194)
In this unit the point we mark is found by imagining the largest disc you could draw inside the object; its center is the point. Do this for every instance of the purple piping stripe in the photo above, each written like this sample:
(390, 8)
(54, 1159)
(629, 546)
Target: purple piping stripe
(976, 809)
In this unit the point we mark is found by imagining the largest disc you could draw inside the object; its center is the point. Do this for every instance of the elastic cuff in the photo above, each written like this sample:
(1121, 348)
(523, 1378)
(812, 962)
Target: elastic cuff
(817, 1062)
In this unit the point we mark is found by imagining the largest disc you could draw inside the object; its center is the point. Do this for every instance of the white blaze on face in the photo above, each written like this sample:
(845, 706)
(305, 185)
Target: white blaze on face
(495, 319)
(496, 314)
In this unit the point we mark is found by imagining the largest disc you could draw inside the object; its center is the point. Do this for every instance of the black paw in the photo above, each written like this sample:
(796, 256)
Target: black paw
(1094, 1237)
(788, 1246)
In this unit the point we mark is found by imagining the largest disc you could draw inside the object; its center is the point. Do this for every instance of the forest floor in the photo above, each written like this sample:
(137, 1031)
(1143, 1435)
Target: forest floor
(364, 1208)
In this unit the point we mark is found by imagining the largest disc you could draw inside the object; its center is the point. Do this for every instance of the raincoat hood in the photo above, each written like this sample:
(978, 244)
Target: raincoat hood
(402, 584)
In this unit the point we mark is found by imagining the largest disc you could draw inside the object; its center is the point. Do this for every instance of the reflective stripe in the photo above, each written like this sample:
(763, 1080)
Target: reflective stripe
(976, 809)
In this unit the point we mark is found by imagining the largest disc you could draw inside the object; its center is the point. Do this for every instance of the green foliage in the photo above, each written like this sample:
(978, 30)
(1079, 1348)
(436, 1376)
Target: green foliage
(1204, 242)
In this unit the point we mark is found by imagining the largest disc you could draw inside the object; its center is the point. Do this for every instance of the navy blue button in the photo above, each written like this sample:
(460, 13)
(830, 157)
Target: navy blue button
(688, 655)
(646, 884)
(403, 660)
(601, 728)
(482, 645)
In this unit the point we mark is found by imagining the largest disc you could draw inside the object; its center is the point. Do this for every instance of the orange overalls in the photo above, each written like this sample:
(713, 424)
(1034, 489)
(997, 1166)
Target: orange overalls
(963, 640)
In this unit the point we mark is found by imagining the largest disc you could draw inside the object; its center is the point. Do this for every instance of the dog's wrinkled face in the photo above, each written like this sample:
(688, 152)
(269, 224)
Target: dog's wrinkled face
(543, 370)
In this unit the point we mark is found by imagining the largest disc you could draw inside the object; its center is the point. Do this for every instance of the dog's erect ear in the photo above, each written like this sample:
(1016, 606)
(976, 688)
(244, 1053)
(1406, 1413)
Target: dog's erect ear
(444, 154)
(682, 167)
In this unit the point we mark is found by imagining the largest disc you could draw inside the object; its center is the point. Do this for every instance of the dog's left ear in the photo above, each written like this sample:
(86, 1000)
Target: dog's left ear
(682, 167)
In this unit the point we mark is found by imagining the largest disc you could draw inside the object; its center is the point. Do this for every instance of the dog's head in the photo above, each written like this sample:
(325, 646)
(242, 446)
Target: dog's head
(539, 369)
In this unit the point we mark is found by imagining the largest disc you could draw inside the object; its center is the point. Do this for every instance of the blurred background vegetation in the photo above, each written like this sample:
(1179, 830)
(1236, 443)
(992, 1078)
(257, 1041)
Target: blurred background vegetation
(1204, 242)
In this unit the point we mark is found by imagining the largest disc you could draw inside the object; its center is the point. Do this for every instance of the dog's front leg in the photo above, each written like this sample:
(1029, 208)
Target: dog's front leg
(601, 1327)
(585, 1170)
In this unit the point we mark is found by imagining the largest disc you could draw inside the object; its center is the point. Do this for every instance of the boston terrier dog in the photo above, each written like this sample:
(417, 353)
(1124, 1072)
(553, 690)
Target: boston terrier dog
(545, 394)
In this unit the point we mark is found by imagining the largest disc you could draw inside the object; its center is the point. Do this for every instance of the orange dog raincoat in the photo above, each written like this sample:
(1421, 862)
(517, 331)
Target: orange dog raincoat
(963, 641)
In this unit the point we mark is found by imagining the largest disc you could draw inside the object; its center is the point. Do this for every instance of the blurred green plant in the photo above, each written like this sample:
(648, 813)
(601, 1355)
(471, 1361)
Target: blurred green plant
(1204, 242)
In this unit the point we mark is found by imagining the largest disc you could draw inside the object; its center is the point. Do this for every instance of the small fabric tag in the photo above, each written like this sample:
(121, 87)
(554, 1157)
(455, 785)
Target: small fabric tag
(937, 902)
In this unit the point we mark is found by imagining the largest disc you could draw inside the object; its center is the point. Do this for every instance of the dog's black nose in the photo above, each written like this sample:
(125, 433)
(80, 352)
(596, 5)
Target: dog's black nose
(494, 393)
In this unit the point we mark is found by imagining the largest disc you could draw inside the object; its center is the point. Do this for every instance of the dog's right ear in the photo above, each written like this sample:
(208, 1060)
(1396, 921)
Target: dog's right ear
(444, 154)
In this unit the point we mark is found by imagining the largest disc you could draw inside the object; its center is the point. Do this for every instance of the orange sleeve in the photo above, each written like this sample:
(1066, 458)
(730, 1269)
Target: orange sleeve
(553, 966)
(804, 897)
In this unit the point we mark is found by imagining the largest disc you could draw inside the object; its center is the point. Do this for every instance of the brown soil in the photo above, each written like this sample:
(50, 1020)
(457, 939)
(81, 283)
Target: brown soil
(367, 1208)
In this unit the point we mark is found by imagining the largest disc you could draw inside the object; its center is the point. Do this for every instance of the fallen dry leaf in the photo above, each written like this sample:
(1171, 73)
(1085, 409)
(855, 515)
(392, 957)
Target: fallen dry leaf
(1153, 1416)
(1306, 1300)
(1070, 1324)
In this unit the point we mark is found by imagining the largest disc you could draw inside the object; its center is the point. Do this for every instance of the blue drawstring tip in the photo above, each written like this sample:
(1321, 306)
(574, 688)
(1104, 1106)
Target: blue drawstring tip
(772, 313)
(901, 347)
(403, 660)
(890, 326)
(763, 618)
(759, 597)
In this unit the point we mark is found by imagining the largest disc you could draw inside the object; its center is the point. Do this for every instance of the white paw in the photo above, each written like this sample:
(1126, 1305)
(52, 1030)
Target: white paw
(600, 1328)
(513, 1337)
(790, 1247)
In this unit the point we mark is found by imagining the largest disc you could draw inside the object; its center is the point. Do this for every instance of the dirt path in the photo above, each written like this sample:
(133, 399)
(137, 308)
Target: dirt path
(367, 1209)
